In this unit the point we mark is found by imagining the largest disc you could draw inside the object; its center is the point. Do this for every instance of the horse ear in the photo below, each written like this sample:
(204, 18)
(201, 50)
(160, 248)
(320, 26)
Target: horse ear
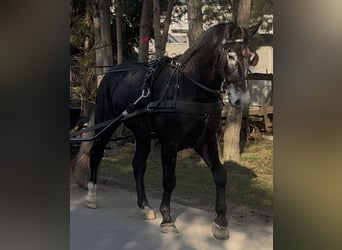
(226, 34)
(254, 28)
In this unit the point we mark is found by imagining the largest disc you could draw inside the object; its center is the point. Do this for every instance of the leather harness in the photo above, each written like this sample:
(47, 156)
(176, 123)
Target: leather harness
(170, 104)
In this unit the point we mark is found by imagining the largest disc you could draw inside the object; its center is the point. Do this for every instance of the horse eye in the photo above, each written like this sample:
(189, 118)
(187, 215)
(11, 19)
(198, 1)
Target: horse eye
(231, 55)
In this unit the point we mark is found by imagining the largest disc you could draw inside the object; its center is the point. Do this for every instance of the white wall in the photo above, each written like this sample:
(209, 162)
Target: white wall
(265, 64)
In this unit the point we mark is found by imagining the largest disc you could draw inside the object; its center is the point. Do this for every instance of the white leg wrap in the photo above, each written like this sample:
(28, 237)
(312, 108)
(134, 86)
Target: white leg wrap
(90, 199)
(148, 213)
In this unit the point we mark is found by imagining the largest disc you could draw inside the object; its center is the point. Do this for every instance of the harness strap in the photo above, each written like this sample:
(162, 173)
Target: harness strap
(176, 65)
(166, 88)
(97, 126)
(183, 107)
(105, 125)
(201, 85)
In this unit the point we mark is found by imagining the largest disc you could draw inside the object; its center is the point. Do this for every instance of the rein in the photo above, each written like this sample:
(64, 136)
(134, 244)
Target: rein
(201, 85)
(176, 65)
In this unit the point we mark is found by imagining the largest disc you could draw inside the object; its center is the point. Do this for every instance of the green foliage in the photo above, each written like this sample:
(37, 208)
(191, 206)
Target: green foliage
(216, 14)
(178, 12)
(261, 8)
(79, 32)
(82, 78)
(130, 28)
(226, 10)
(82, 51)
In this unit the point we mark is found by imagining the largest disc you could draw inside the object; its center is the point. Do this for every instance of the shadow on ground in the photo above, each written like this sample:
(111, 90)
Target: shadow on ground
(117, 224)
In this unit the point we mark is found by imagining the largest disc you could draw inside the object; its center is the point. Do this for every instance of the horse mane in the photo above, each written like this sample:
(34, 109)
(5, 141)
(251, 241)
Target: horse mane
(208, 39)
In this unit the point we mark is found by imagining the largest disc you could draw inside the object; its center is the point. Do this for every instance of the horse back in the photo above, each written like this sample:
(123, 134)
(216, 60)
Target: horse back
(121, 86)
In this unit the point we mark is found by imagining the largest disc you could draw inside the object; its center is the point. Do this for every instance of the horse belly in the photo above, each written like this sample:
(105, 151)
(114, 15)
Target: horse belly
(184, 130)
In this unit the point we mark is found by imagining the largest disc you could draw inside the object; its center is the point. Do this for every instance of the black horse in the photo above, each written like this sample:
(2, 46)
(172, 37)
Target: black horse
(176, 101)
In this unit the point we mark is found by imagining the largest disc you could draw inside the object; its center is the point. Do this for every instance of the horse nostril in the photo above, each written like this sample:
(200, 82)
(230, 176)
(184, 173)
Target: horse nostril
(237, 103)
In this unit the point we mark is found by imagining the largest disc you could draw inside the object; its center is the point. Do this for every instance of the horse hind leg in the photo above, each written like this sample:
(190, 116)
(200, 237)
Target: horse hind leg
(96, 155)
(80, 165)
(209, 153)
(169, 156)
(143, 147)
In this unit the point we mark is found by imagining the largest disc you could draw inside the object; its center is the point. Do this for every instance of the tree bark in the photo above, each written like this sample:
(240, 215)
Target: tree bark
(97, 41)
(195, 20)
(118, 21)
(145, 30)
(156, 26)
(102, 37)
(106, 38)
(231, 137)
(244, 13)
(167, 23)
(231, 148)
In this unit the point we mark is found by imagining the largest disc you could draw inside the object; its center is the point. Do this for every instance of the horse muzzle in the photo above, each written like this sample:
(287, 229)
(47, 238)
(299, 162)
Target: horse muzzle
(239, 102)
(237, 98)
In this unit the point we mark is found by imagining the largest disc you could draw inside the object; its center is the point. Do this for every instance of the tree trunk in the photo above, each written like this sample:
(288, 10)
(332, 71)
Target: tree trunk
(231, 148)
(119, 49)
(195, 20)
(244, 13)
(156, 25)
(106, 38)
(102, 37)
(231, 137)
(118, 22)
(145, 30)
(167, 23)
(97, 41)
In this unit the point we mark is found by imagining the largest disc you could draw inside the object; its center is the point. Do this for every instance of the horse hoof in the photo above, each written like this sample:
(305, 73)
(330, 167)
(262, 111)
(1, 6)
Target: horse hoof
(148, 213)
(168, 228)
(220, 232)
(90, 204)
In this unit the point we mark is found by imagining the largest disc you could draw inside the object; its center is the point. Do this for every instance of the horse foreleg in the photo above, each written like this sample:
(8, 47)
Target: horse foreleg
(169, 156)
(143, 147)
(209, 153)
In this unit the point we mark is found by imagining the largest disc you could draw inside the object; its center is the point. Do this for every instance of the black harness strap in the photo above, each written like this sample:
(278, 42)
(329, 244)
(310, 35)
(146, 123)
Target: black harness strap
(201, 85)
(104, 125)
(182, 107)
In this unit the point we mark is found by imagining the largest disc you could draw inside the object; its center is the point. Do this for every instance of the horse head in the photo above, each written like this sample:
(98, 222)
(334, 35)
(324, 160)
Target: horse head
(234, 59)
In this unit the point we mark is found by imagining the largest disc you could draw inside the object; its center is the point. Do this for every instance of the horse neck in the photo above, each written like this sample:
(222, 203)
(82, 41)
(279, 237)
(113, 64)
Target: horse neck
(201, 68)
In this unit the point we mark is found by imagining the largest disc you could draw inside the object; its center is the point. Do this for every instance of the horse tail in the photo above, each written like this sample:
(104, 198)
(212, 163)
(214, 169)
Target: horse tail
(81, 164)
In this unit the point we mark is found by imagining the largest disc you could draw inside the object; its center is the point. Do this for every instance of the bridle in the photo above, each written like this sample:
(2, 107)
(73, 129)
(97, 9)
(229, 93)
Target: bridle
(226, 81)
(177, 67)
(175, 64)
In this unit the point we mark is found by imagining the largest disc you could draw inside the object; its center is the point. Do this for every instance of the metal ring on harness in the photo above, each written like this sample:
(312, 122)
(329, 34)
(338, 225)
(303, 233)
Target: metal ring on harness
(145, 93)
(174, 63)
(149, 72)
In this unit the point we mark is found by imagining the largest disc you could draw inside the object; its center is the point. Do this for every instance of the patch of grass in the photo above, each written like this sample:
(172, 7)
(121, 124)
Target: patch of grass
(249, 183)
